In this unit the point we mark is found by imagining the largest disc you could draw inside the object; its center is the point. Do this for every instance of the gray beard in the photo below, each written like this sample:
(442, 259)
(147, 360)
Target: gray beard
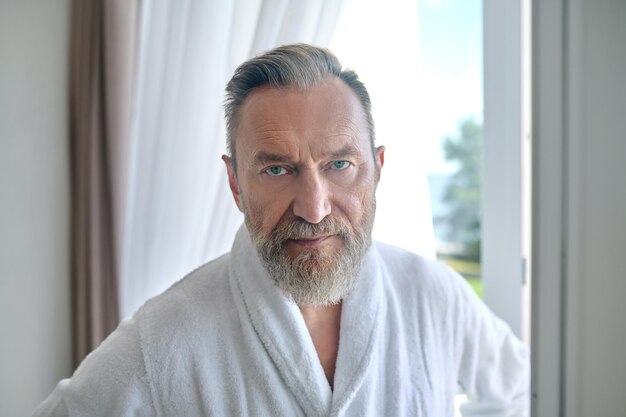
(317, 277)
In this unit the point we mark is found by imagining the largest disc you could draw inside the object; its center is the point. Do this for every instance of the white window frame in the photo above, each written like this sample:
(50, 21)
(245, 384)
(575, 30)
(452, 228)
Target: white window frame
(506, 189)
(549, 383)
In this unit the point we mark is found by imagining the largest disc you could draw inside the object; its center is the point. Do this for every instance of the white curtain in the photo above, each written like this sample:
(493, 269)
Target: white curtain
(179, 210)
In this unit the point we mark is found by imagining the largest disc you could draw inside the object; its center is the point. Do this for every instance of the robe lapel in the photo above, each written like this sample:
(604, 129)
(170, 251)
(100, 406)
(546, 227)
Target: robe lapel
(360, 322)
(281, 329)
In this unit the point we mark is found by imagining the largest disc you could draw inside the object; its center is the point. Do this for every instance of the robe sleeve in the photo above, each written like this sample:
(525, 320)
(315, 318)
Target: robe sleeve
(111, 381)
(493, 365)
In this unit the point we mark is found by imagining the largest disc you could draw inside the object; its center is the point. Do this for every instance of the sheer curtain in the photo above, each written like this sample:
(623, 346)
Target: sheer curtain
(179, 212)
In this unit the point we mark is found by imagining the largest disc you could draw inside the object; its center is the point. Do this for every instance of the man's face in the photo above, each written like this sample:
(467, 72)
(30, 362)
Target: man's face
(306, 178)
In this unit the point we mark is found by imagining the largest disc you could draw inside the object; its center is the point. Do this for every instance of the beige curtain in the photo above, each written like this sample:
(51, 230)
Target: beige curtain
(103, 37)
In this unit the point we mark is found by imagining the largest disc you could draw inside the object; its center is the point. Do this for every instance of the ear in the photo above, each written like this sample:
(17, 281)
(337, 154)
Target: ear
(232, 182)
(379, 160)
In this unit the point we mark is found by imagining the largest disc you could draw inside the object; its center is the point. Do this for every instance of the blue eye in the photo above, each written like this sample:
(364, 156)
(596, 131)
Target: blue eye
(340, 165)
(276, 171)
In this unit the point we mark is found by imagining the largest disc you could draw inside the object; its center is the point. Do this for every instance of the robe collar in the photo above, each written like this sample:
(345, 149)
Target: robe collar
(279, 324)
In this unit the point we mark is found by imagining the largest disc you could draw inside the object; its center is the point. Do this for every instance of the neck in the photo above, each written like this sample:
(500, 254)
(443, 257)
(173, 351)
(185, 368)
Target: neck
(323, 323)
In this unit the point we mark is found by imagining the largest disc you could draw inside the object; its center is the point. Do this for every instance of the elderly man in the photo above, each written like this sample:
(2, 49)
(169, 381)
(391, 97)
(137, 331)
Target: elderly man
(305, 316)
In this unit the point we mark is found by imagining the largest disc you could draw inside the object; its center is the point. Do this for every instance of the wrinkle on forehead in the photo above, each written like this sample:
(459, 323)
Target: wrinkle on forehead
(345, 126)
(289, 149)
(288, 122)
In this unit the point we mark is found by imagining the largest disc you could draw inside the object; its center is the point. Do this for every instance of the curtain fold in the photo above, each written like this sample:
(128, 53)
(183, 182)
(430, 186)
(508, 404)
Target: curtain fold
(101, 78)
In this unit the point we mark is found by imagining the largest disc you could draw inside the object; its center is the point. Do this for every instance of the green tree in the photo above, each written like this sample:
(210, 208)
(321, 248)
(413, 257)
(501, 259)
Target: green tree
(463, 190)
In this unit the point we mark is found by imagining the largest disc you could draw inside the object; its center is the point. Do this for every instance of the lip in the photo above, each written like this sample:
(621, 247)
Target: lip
(310, 241)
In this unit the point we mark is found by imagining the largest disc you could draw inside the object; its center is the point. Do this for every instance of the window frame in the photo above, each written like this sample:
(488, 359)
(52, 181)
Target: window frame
(506, 162)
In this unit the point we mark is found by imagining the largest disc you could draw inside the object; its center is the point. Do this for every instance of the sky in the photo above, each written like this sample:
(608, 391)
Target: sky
(450, 55)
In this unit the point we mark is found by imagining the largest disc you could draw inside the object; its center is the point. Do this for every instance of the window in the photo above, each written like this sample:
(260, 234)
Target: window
(451, 61)
(424, 63)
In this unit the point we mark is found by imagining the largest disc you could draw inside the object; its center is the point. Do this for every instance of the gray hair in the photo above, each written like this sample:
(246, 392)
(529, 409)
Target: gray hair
(299, 65)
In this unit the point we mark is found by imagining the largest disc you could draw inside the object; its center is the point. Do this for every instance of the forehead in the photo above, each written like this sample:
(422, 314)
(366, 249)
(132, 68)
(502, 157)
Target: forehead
(324, 113)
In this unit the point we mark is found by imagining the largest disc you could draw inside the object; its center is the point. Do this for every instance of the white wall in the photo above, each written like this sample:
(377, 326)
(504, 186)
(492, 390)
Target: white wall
(579, 316)
(34, 208)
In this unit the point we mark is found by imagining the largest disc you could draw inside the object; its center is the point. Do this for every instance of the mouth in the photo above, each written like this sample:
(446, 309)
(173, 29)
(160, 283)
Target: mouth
(310, 241)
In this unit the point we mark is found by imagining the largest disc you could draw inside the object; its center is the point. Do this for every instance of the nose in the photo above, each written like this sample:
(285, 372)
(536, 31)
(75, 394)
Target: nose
(311, 202)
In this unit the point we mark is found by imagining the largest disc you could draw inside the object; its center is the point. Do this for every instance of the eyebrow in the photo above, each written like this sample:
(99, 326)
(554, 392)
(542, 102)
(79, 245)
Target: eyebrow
(263, 158)
(347, 150)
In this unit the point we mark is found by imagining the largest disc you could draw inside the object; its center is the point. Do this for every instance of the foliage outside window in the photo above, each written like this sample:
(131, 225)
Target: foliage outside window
(458, 220)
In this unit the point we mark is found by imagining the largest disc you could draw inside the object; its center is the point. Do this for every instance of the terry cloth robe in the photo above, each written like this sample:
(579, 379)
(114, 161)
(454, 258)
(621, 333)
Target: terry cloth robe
(225, 341)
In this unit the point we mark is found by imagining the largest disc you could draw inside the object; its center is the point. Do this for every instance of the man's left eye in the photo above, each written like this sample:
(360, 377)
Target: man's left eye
(340, 165)
(276, 171)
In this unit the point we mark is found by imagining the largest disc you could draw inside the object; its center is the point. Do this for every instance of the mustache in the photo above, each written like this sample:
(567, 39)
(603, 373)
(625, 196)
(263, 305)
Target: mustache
(297, 228)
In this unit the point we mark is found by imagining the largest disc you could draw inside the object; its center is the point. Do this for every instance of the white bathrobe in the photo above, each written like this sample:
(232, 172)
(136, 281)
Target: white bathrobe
(225, 341)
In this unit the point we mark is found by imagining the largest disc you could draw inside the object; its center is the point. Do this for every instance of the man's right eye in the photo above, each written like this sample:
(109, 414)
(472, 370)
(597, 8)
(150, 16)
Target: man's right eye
(275, 171)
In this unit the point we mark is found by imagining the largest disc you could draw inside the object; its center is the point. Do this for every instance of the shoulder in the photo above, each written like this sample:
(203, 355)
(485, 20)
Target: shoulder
(121, 373)
(208, 281)
(198, 299)
(408, 270)
(109, 379)
(185, 323)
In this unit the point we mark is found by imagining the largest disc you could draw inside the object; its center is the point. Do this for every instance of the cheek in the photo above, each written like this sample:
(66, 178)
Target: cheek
(355, 202)
(265, 208)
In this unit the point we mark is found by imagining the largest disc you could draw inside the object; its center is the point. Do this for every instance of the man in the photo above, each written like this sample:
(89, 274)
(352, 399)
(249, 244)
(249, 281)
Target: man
(305, 316)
